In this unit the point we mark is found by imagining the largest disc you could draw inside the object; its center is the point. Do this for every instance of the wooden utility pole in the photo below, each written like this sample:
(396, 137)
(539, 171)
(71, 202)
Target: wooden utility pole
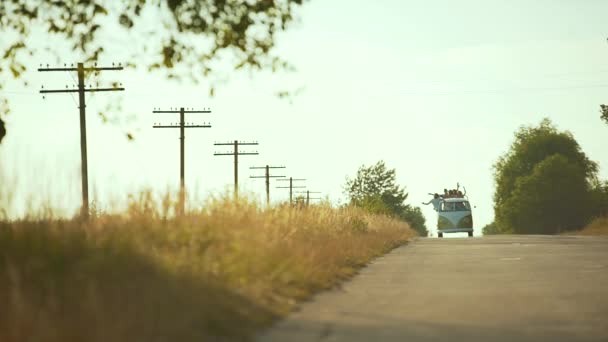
(291, 186)
(308, 198)
(267, 176)
(182, 125)
(80, 70)
(236, 153)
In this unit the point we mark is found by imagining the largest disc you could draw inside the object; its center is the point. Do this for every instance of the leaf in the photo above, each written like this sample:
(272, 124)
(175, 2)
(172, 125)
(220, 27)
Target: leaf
(12, 50)
(2, 130)
(103, 117)
(125, 21)
(204, 34)
(153, 66)
(98, 9)
(604, 111)
(16, 72)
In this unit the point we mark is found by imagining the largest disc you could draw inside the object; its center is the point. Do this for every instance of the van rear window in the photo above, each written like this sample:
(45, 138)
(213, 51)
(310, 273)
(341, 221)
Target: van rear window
(455, 206)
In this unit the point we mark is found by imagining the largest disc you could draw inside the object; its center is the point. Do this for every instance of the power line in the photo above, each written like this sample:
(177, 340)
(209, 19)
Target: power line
(80, 69)
(182, 125)
(497, 91)
(406, 92)
(308, 198)
(291, 186)
(267, 176)
(486, 80)
(236, 153)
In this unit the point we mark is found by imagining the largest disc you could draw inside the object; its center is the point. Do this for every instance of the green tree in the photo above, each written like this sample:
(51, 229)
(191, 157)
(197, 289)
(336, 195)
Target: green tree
(375, 189)
(376, 183)
(414, 216)
(599, 196)
(543, 182)
(604, 112)
(192, 34)
(374, 204)
(555, 197)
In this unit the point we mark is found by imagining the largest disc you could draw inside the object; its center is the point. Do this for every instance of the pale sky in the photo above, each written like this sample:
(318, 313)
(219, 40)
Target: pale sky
(434, 89)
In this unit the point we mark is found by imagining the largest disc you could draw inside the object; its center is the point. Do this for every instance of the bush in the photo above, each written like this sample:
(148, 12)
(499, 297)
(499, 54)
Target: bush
(414, 217)
(493, 228)
(599, 226)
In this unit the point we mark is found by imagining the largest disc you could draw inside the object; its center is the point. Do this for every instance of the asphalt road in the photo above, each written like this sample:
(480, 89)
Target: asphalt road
(498, 288)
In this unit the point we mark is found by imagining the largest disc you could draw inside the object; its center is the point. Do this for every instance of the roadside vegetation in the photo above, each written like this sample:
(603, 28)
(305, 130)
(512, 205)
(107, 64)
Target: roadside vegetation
(218, 273)
(599, 226)
(374, 189)
(546, 184)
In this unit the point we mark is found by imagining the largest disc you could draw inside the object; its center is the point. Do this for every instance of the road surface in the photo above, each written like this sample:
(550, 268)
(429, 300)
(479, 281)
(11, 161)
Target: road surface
(497, 288)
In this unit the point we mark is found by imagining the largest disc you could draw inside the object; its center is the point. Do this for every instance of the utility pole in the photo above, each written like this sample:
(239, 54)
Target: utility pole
(236, 153)
(291, 186)
(182, 125)
(308, 198)
(267, 176)
(80, 70)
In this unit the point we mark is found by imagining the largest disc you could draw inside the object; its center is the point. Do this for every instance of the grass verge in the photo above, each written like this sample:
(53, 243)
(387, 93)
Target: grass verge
(220, 273)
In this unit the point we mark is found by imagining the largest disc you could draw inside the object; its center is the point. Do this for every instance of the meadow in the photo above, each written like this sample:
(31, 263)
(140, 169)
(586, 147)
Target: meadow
(221, 272)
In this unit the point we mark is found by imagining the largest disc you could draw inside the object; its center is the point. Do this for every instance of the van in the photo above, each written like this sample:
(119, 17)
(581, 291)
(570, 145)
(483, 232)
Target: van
(454, 216)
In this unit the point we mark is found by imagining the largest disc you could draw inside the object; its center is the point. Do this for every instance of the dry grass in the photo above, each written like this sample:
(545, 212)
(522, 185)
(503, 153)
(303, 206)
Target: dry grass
(220, 273)
(599, 226)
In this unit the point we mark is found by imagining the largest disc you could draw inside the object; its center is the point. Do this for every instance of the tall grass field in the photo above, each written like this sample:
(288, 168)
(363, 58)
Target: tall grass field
(220, 273)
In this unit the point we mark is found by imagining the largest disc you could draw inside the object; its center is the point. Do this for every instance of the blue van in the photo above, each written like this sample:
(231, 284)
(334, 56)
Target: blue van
(454, 216)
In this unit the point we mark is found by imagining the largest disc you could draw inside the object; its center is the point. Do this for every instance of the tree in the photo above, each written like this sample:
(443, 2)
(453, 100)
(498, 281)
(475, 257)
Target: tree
(373, 204)
(375, 189)
(543, 182)
(555, 197)
(192, 34)
(414, 216)
(599, 195)
(376, 183)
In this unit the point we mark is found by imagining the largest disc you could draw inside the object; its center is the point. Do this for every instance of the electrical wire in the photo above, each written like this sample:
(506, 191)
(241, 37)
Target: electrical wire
(500, 91)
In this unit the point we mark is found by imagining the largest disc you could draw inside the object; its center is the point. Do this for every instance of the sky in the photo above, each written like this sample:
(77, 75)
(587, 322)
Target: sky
(434, 89)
